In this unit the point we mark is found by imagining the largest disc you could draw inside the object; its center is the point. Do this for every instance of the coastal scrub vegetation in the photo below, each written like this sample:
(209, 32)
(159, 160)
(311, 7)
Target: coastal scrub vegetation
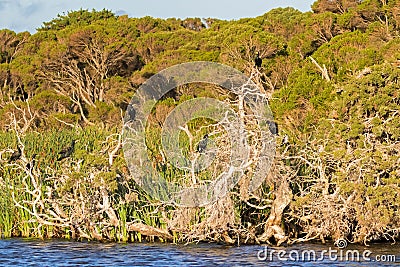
(332, 77)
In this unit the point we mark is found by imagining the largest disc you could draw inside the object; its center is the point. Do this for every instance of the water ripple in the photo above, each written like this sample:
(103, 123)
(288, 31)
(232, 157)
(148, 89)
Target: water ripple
(28, 252)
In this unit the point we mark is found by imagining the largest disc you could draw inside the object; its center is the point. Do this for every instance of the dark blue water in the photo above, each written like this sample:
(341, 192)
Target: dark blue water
(23, 252)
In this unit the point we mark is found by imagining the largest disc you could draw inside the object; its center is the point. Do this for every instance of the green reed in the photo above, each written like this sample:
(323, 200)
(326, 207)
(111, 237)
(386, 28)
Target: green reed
(16, 185)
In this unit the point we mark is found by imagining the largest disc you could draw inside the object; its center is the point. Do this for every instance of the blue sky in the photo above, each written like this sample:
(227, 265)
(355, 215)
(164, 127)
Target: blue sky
(27, 15)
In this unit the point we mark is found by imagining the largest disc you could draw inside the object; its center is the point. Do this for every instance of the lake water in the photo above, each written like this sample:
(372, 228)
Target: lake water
(28, 252)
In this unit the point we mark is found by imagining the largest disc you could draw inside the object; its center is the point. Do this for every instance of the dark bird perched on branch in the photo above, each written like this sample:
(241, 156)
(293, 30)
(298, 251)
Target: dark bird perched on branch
(273, 127)
(16, 155)
(130, 114)
(66, 152)
(31, 164)
(201, 147)
(258, 60)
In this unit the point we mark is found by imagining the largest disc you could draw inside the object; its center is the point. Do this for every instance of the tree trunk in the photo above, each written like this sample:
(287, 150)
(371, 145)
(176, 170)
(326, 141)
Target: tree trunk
(273, 226)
